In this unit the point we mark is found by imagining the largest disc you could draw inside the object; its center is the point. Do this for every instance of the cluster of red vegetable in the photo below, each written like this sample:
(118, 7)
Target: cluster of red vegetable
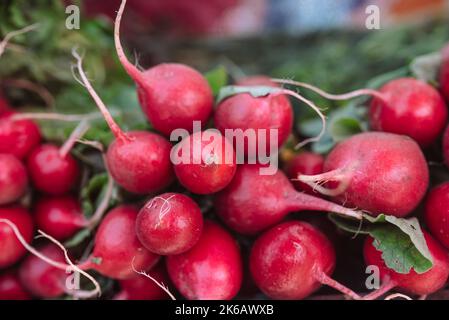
(383, 171)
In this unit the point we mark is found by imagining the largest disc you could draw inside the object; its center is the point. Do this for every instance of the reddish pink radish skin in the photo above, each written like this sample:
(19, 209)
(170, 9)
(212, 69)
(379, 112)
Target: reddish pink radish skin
(11, 288)
(285, 260)
(437, 213)
(18, 137)
(414, 283)
(169, 224)
(142, 288)
(117, 247)
(254, 202)
(172, 96)
(210, 166)
(60, 217)
(387, 173)
(211, 270)
(141, 164)
(414, 109)
(243, 111)
(42, 279)
(304, 163)
(11, 250)
(50, 172)
(13, 179)
(4, 106)
(444, 73)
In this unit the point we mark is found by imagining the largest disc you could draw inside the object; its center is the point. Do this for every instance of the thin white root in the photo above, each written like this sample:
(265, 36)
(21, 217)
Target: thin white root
(76, 134)
(15, 33)
(397, 295)
(315, 108)
(330, 96)
(103, 206)
(165, 207)
(316, 181)
(384, 288)
(160, 285)
(77, 293)
(326, 280)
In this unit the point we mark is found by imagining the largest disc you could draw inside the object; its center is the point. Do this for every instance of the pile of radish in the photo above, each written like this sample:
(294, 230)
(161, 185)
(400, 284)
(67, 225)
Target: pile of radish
(204, 217)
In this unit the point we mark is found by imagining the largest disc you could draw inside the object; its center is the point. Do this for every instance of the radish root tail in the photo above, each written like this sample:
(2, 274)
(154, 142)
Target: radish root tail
(15, 33)
(326, 280)
(317, 181)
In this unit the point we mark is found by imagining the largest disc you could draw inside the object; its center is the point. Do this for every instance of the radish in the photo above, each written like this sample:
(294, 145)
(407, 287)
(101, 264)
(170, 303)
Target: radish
(42, 279)
(11, 288)
(170, 223)
(403, 106)
(13, 179)
(17, 137)
(292, 260)
(308, 163)
(59, 217)
(211, 270)
(444, 72)
(52, 172)
(254, 202)
(375, 171)
(139, 161)
(141, 288)
(206, 163)
(117, 250)
(4, 105)
(11, 250)
(446, 146)
(437, 213)
(414, 283)
(171, 95)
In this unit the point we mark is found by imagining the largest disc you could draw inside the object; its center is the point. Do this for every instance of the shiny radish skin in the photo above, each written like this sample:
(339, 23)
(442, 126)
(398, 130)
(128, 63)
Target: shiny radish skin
(304, 163)
(42, 279)
(413, 283)
(11, 288)
(243, 111)
(210, 165)
(437, 213)
(143, 288)
(11, 250)
(285, 261)
(50, 172)
(253, 202)
(170, 223)
(383, 172)
(18, 137)
(444, 73)
(211, 270)
(173, 95)
(414, 108)
(60, 217)
(13, 179)
(117, 247)
(141, 162)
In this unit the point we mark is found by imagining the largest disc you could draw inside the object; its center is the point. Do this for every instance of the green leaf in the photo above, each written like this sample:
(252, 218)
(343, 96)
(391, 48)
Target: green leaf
(255, 91)
(217, 79)
(427, 67)
(79, 237)
(342, 128)
(91, 192)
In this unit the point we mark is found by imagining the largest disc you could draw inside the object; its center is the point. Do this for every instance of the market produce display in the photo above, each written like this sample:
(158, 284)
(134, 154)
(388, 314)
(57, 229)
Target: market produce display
(127, 184)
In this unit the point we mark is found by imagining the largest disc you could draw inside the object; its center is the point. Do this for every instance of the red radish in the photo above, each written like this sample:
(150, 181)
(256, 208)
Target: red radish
(375, 171)
(292, 260)
(414, 283)
(254, 202)
(59, 217)
(437, 213)
(170, 223)
(139, 161)
(17, 137)
(11, 288)
(142, 288)
(410, 107)
(444, 73)
(304, 163)
(13, 179)
(171, 95)
(11, 250)
(207, 162)
(42, 279)
(51, 172)
(211, 270)
(117, 251)
(4, 106)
